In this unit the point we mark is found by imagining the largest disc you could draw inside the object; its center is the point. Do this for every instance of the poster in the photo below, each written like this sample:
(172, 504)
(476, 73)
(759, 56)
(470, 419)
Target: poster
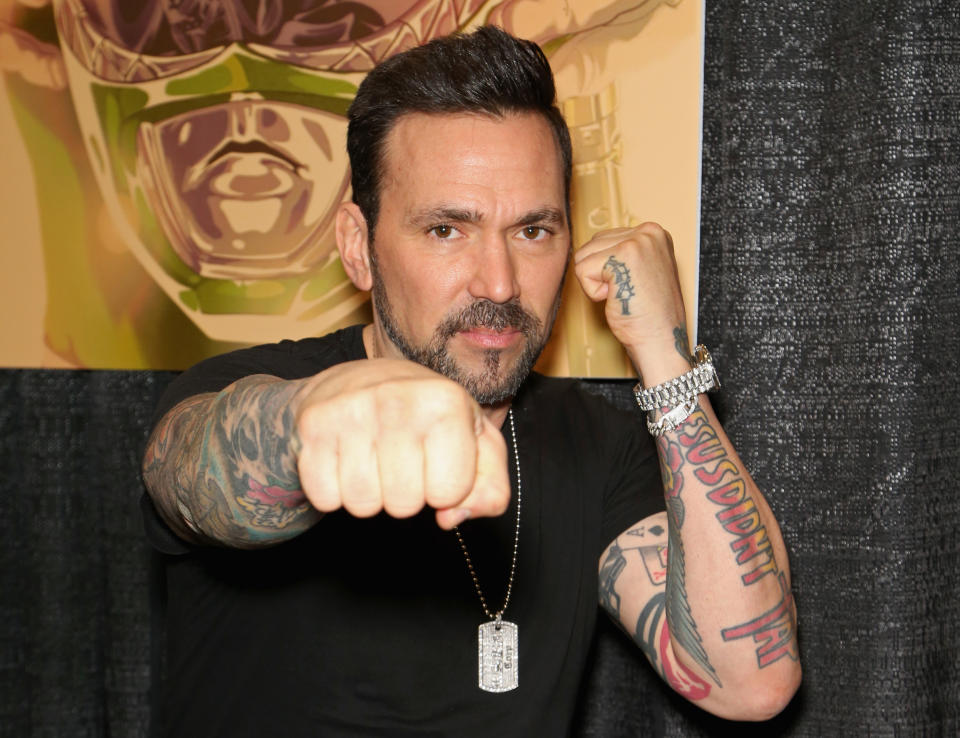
(171, 169)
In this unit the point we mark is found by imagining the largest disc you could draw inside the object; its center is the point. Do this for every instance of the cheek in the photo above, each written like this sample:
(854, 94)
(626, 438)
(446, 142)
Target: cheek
(426, 292)
(545, 279)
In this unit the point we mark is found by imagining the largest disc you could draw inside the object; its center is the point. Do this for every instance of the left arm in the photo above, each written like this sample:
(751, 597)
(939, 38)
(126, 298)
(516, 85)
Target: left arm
(720, 625)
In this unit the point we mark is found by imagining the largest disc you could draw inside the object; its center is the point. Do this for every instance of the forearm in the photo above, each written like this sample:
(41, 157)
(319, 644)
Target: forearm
(729, 609)
(222, 468)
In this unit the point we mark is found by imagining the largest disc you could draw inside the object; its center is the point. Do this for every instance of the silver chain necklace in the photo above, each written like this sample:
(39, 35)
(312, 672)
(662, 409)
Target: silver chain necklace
(497, 640)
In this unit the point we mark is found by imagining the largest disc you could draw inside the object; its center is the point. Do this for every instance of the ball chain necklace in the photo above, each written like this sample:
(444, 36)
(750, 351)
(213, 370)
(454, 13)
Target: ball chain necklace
(497, 640)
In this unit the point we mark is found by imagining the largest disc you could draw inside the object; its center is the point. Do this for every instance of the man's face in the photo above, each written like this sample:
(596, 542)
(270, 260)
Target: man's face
(471, 246)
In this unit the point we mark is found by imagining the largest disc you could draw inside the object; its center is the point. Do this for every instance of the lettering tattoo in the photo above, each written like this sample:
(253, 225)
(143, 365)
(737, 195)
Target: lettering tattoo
(697, 448)
(621, 279)
(739, 516)
(222, 468)
(775, 630)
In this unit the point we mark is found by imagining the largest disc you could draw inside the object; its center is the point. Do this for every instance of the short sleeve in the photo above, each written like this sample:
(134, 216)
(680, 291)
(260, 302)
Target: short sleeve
(634, 490)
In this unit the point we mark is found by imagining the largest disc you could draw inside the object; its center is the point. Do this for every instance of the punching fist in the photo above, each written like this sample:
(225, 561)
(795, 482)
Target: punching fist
(392, 435)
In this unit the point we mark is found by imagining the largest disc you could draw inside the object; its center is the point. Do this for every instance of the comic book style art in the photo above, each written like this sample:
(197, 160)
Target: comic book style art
(173, 167)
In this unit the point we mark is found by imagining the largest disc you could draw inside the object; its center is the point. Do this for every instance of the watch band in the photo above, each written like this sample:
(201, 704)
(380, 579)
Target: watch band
(674, 392)
(672, 420)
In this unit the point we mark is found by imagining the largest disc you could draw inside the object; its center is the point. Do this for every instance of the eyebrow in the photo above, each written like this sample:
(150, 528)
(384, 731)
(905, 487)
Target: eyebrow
(443, 214)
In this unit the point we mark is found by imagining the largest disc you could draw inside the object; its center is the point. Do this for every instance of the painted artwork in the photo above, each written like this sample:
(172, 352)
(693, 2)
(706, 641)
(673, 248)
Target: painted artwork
(171, 168)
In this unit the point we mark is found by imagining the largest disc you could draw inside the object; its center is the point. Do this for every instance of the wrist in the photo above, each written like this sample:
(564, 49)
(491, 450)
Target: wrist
(658, 363)
(662, 355)
(671, 402)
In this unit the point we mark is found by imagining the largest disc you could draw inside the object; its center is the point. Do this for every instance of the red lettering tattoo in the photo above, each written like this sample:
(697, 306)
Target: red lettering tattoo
(774, 630)
(714, 476)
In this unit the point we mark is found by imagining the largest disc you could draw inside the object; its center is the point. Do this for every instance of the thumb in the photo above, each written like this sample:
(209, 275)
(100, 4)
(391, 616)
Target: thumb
(490, 495)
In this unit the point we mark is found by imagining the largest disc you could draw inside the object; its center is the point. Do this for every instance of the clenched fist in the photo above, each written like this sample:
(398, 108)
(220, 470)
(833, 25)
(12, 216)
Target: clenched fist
(635, 272)
(392, 435)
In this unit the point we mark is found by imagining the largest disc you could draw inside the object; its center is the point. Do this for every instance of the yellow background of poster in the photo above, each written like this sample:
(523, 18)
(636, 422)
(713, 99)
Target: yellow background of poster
(103, 262)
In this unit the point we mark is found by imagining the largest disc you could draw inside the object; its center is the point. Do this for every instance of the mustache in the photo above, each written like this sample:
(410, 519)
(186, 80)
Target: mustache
(493, 316)
(253, 147)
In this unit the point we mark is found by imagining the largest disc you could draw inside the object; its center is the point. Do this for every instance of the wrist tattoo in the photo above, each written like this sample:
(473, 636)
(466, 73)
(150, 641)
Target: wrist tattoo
(682, 343)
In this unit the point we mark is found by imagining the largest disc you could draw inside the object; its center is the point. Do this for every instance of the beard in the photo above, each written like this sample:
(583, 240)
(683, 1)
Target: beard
(495, 381)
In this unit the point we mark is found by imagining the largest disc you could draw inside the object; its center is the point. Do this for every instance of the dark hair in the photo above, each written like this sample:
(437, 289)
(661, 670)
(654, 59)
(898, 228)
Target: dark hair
(488, 72)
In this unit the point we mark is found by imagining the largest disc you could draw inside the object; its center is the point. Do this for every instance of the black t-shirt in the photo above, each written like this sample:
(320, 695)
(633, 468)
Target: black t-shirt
(363, 627)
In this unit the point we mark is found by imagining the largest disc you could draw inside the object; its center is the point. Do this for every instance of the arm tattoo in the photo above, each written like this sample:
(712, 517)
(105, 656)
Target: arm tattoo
(610, 570)
(683, 626)
(648, 625)
(223, 468)
(682, 343)
(621, 278)
(651, 622)
(775, 630)
(698, 446)
(653, 557)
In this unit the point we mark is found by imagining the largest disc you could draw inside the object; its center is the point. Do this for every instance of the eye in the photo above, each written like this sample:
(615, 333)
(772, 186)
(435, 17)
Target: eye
(442, 231)
(534, 233)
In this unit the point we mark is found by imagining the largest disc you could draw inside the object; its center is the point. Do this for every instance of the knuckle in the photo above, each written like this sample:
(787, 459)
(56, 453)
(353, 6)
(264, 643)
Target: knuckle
(447, 492)
(362, 506)
(402, 506)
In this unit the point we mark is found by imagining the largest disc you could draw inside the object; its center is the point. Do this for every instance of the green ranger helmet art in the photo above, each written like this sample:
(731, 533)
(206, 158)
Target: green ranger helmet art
(188, 158)
(216, 131)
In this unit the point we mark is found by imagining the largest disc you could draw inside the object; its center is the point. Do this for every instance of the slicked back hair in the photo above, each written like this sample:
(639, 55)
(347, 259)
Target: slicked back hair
(488, 72)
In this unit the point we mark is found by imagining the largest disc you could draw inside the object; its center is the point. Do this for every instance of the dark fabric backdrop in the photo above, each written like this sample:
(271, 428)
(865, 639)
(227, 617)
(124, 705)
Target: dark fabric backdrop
(829, 297)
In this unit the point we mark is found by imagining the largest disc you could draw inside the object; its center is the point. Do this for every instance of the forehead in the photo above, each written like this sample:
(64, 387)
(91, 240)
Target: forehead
(515, 155)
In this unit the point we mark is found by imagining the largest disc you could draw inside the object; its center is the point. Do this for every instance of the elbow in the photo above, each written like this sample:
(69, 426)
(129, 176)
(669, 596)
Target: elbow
(765, 699)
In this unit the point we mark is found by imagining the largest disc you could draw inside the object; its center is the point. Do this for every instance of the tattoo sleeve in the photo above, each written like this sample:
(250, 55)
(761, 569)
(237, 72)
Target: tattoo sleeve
(697, 452)
(642, 553)
(682, 625)
(222, 468)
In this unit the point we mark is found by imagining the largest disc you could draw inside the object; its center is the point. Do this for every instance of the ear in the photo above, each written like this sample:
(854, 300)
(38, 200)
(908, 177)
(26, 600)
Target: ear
(354, 245)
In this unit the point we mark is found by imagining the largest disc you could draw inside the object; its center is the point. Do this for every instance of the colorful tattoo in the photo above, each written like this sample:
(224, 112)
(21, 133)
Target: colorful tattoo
(739, 516)
(679, 676)
(698, 447)
(224, 467)
(621, 278)
(678, 606)
(775, 630)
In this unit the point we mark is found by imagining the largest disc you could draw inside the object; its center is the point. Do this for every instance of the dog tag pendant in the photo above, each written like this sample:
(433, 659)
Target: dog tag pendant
(498, 655)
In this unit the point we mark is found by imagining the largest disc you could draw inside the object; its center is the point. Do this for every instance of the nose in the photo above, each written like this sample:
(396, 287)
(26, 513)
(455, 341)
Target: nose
(494, 274)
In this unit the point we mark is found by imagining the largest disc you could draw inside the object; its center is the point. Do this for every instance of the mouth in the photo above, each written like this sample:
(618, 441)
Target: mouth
(252, 147)
(490, 338)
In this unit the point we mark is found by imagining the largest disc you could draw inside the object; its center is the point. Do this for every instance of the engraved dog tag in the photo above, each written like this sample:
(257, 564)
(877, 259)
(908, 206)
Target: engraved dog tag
(499, 656)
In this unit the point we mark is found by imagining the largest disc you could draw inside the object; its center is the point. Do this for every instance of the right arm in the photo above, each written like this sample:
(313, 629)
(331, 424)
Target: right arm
(221, 467)
(260, 462)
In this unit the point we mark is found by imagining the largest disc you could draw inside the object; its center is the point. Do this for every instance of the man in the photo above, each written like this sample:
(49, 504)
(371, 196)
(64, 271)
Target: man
(307, 489)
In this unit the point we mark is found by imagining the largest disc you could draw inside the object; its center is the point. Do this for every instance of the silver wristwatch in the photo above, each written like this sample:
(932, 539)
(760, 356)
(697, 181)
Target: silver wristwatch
(680, 390)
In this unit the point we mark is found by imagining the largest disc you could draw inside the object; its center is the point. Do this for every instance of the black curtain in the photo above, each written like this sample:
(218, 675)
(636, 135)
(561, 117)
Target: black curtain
(830, 299)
